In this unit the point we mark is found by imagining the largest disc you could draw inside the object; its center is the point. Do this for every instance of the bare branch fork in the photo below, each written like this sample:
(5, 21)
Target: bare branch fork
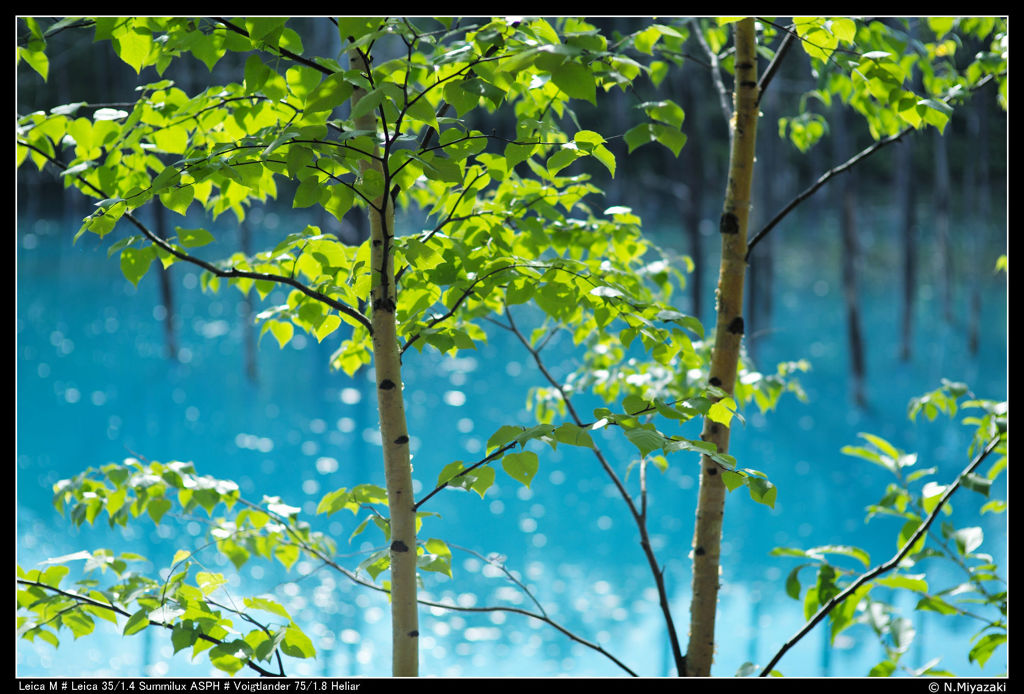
(639, 514)
(886, 566)
(355, 578)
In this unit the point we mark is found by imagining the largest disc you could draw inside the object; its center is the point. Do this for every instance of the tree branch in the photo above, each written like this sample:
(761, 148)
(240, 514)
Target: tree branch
(773, 66)
(84, 600)
(822, 180)
(836, 170)
(885, 567)
(429, 603)
(283, 51)
(716, 75)
(493, 456)
(232, 273)
(638, 517)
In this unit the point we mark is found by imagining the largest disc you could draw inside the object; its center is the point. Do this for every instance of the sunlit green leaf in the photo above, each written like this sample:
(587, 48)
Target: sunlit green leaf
(521, 466)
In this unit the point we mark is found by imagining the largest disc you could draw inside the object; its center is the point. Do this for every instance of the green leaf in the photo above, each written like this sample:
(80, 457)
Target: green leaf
(634, 405)
(904, 582)
(883, 669)
(462, 100)
(367, 103)
(135, 262)
(340, 201)
(372, 184)
(762, 491)
(588, 140)
(907, 531)
(297, 644)
(845, 29)
(156, 509)
(375, 564)
(576, 81)
(935, 112)
(503, 435)
(194, 238)
(328, 326)
(605, 156)
(178, 199)
(722, 411)
(256, 74)
(521, 466)
(168, 177)
(335, 501)
(357, 27)
(882, 445)
(733, 480)
(479, 480)
(210, 582)
(35, 57)
(333, 91)
(136, 623)
(133, 47)
(845, 550)
(573, 435)
(230, 657)
(268, 605)
(995, 506)
(646, 440)
(793, 582)
(53, 575)
(517, 153)
(666, 135)
(935, 604)
(645, 40)
(562, 158)
(182, 636)
(983, 650)
(307, 193)
(665, 111)
(482, 88)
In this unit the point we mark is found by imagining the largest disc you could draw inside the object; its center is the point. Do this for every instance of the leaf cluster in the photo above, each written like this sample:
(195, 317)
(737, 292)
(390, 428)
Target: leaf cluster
(913, 501)
(186, 602)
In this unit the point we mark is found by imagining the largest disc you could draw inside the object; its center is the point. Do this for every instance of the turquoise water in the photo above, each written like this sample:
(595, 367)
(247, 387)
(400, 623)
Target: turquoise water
(94, 385)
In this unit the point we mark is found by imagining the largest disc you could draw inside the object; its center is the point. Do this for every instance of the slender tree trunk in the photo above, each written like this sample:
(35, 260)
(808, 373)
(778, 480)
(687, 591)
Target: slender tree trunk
(847, 195)
(166, 291)
(851, 255)
(391, 406)
(248, 325)
(942, 206)
(759, 272)
(725, 356)
(977, 208)
(693, 213)
(908, 232)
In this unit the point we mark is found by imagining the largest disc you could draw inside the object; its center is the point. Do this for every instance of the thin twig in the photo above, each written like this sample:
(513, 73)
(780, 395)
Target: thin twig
(822, 180)
(462, 473)
(352, 576)
(773, 66)
(638, 517)
(716, 75)
(500, 565)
